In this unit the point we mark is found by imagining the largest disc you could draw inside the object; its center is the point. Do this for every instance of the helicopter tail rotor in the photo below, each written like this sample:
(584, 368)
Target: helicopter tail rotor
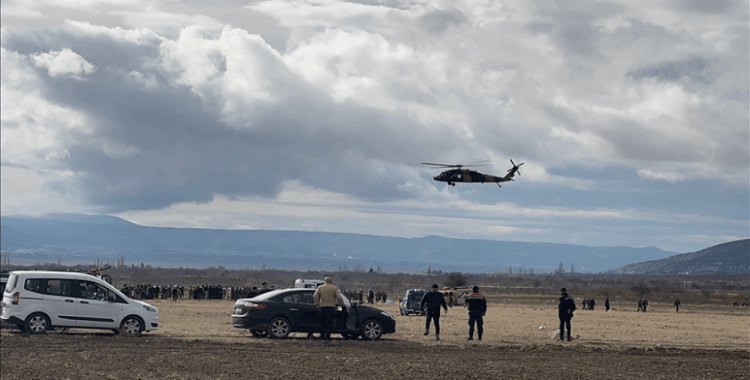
(515, 168)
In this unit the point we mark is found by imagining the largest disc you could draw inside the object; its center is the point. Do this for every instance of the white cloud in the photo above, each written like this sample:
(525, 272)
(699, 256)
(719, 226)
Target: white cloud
(33, 129)
(324, 109)
(658, 176)
(64, 62)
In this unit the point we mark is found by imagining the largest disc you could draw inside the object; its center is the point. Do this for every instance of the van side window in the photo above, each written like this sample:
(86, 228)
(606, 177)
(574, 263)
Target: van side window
(92, 291)
(35, 285)
(60, 287)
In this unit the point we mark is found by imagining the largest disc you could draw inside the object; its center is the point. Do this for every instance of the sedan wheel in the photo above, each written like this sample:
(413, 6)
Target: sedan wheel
(36, 323)
(279, 328)
(372, 330)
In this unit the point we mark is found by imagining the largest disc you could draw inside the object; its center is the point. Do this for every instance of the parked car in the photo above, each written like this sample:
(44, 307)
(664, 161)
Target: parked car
(37, 301)
(310, 284)
(455, 296)
(278, 313)
(411, 302)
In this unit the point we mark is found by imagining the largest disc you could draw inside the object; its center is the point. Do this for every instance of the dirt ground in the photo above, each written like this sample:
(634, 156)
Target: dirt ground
(197, 341)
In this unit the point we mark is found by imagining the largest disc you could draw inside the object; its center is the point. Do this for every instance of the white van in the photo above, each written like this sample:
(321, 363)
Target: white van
(37, 301)
(308, 284)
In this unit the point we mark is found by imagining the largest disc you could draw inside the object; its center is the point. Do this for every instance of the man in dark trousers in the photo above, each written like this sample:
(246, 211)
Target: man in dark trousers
(477, 306)
(606, 303)
(677, 305)
(432, 301)
(565, 312)
(326, 298)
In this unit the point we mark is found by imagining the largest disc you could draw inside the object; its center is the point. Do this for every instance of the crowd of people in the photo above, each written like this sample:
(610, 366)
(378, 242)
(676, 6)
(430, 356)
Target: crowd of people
(193, 292)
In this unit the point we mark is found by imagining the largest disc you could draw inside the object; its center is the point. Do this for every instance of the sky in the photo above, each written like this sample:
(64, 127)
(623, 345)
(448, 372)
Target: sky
(631, 117)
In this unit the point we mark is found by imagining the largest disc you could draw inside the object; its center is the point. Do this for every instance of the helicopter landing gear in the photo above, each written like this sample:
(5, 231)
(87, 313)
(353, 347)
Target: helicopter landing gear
(452, 183)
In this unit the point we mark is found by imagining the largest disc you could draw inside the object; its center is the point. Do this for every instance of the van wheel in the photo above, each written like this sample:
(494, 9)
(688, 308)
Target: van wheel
(372, 330)
(131, 326)
(36, 323)
(279, 328)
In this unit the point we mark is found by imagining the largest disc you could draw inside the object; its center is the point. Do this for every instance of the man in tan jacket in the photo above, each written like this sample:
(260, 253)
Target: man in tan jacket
(326, 298)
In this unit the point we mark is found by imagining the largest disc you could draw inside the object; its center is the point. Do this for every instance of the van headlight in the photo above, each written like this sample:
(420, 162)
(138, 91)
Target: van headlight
(149, 308)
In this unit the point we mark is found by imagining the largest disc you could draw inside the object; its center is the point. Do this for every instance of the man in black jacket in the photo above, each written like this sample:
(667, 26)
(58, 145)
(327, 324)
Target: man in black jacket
(477, 306)
(565, 312)
(432, 301)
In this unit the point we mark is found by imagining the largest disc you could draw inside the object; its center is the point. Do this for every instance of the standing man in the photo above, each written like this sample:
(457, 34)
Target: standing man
(645, 304)
(264, 288)
(325, 299)
(432, 301)
(677, 304)
(565, 312)
(477, 306)
(606, 303)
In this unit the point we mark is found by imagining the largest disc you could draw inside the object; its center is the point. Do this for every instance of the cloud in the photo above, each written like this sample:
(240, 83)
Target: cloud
(63, 63)
(142, 106)
(657, 176)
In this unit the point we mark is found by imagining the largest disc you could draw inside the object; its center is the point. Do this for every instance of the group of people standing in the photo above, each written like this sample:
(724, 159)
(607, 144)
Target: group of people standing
(433, 301)
(328, 295)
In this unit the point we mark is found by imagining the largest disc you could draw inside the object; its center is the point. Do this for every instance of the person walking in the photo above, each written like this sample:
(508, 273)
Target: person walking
(606, 303)
(477, 306)
(326, 298)
(432, 301)
(677, 304)
(565, 311)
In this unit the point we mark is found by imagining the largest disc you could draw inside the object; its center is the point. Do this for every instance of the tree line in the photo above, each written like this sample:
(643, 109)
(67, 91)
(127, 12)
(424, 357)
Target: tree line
(696, 288)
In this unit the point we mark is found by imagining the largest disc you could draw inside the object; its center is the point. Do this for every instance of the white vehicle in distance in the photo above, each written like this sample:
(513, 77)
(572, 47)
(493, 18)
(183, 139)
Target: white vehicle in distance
(37, 301)
(308, 284)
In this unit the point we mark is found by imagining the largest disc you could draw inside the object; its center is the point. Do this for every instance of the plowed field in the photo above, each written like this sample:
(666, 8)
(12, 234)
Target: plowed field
(197, 341)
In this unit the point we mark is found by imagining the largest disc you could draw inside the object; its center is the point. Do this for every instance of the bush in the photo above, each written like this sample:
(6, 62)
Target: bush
(456, 279)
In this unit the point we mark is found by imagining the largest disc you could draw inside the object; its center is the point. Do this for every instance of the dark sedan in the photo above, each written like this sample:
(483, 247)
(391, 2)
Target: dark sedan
(278, 313)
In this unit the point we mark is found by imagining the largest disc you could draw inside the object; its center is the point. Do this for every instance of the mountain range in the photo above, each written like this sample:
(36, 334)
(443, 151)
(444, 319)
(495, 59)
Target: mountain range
(731, 257)
(76, 238)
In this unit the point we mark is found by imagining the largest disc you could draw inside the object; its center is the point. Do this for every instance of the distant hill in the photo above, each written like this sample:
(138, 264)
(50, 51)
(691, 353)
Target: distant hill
(75, 239)
(732, 257)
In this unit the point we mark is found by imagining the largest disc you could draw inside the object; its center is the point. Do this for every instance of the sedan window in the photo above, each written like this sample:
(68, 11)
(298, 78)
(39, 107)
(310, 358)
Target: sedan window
(299, 297)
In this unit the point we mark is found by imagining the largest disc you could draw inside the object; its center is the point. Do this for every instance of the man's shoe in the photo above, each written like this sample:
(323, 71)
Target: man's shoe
(470, 338)
(427, 332)
(437, 337)
(480, 337)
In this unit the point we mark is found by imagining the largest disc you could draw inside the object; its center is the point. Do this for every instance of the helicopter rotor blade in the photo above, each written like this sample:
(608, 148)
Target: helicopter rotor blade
(442, 165)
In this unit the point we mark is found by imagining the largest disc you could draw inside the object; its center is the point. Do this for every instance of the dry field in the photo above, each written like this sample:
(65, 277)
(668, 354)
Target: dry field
(197, 341)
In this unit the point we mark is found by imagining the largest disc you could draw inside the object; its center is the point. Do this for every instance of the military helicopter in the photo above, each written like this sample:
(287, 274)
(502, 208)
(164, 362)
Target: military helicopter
(458, 174)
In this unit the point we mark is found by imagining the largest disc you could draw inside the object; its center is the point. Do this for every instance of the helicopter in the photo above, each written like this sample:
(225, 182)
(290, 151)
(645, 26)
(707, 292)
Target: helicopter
(465, 175)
